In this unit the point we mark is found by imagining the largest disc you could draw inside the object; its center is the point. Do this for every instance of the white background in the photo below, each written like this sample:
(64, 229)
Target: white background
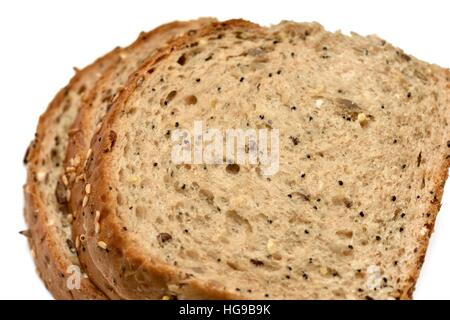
(40, 42)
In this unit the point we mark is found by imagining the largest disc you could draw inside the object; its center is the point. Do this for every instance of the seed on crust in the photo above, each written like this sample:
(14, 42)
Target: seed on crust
(88, 153)
(97, 228)
(85, 201)
(87, 189)
(70, 169)
(65, 180)
(80, 177)
(102, 244)
(99, 126)
(97, 216)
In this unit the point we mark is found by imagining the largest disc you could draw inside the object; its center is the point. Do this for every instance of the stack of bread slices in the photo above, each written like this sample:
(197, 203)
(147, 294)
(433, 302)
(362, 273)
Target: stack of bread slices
(364, 151)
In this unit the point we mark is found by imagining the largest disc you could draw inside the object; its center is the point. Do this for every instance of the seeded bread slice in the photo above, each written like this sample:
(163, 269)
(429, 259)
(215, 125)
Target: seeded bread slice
(364, 154)
(100, 99)
(49, 233)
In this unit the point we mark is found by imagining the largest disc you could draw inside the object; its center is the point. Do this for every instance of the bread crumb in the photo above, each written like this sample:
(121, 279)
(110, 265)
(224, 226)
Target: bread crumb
(323, 271)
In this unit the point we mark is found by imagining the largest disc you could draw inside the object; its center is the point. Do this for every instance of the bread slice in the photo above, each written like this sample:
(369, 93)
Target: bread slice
(364, 153)
(100, 99)
(49, 233)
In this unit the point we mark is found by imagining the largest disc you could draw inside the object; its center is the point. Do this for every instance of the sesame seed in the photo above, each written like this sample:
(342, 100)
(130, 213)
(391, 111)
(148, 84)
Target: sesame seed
(87, 189)
(68, 195)
(102, 244)
(80, 177)
(64, 180)
(97, 228)
(97, 215)
(85, 201)
(70, 169)
(99, 126)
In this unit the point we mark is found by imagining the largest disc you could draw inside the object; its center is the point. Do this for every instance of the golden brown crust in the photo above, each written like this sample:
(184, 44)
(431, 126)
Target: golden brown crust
(131, 275)
(435, 205)
(45, 244)
(84, 127)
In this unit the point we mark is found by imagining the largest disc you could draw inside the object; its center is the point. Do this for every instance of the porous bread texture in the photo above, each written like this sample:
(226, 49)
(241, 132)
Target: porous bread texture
(96, 105)
(364, 156)
(49, 224)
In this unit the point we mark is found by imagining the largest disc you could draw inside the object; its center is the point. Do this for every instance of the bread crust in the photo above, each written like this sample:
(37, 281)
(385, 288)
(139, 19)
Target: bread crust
(45, 244)
(439, 183)
(130, 274)
(85, 124)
